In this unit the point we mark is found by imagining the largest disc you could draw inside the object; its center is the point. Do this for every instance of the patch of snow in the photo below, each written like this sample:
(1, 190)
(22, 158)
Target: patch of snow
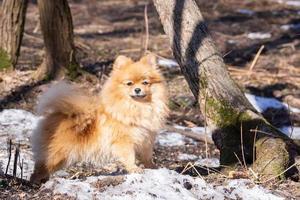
(199, 130)
(168, 63)
(72, 188)
(208, 162)
(185, 156)
(243, 189)
(263, 103)
(259, 36)
(61, 173)
(232, 41)
(295, 3)
(25, 155)
(17, 125)
(293, 132)
(246, 12)
(172, 139)
(158, 184)
(288, 27)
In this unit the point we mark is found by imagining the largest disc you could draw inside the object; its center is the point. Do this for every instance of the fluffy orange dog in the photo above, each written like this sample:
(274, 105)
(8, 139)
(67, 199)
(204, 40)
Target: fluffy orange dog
(120, 124)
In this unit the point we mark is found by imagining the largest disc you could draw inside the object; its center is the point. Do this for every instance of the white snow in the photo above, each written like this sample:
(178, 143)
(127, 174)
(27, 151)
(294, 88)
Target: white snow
(288, 27)
(243, 189)
(197, 129)
(246, 12)
(208, 162)
(168, 63)
(16, 125)
(231, 42)
(185, 156)
(259, 36)
(172, 139)
(72, 188)
(158, 184)
(295, 3)
(263, 103)
(293, 132)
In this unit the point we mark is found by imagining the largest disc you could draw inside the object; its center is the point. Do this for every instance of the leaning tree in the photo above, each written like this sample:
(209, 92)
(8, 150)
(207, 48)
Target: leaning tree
(12, 20)
(57, 29)
(239, 131)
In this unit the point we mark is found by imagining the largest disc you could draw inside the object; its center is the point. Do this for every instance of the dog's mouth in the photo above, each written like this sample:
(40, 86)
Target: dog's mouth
(138, 96)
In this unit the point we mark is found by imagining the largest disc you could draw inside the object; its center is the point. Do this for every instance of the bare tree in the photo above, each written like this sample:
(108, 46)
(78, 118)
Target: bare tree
(236, 125)
(57, 28)
(12, 20)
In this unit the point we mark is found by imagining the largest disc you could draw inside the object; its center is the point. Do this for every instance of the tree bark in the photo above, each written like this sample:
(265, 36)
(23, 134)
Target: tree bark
(229, 115)
(12, 20)
(57, 29)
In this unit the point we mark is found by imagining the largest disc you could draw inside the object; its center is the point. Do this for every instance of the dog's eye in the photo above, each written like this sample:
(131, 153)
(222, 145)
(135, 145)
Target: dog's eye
(145, 82)
(129, 83)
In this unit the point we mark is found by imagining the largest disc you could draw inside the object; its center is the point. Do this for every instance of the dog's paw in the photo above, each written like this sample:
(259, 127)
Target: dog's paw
(136, 170)
(150, 165)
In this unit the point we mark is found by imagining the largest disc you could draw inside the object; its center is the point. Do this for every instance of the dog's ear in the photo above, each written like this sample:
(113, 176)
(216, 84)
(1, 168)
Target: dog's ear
(149, 59)
(121, 61)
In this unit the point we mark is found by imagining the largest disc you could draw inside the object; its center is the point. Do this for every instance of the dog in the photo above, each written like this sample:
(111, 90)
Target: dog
(120, 124)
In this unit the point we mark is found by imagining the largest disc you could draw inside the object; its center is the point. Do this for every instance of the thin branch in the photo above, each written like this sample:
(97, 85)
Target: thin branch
(17, 153)
(242, 147)
(146, 29)
(274, 177)
(253, 148)
(255, 59)
(9, 156)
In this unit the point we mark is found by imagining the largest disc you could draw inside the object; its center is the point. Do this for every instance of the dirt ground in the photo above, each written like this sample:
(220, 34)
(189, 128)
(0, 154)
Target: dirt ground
(105, 29)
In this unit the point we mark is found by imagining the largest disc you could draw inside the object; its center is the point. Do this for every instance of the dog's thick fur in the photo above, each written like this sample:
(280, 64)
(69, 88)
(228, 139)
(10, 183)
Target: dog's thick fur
(116, 125)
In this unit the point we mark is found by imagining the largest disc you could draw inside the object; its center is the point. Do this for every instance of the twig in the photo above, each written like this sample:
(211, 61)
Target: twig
(17, 153)
(255, 59)
(227, 53)
(22, 168)
(239, 160)
(264, 132)
(189, 166)
(253, 149)
(274, 177)
(266, 165)
(291, 120)
(21, 164)
(242, 147)
(75, 175)
(253, 173)
(9, 156)
(146, 28)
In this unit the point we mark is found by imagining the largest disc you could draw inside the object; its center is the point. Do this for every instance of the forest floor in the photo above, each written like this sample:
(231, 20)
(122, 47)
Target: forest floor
(105, 29)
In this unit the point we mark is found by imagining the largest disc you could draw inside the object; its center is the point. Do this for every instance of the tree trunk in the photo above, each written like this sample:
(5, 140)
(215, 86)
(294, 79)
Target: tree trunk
(228, 113)
(12, 20)
(57, 28)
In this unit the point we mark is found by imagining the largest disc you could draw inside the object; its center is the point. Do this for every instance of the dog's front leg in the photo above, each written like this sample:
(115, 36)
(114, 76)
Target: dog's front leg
(125, 152)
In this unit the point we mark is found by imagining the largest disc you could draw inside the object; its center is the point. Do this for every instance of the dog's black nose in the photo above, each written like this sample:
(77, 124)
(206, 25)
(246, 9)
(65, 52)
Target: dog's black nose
(137, 90)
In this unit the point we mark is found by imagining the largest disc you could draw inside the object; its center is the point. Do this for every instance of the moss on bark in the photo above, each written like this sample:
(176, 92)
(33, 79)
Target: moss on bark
(272, 158)
(73, 70)
(5, 62)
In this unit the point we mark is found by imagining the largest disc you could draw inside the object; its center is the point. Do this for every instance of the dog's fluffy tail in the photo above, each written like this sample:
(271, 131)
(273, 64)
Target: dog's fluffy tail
(69, 102)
